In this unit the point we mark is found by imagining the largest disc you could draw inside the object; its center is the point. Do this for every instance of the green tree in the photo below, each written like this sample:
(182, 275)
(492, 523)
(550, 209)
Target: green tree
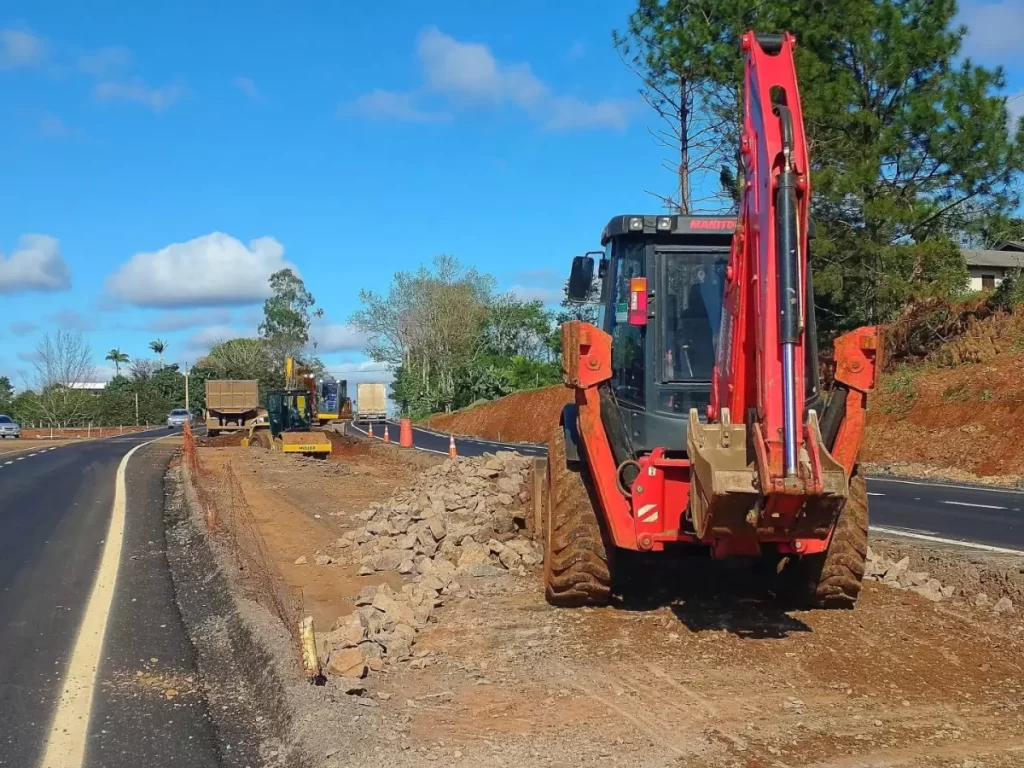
(158, 346)
(912, 151)
(118, 358)
(287, 316)
(6, 394)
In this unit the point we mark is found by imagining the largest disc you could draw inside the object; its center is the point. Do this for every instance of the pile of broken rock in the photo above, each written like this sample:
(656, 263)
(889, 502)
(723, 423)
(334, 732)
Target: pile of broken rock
(462, 519)
(382, 628)
(898, 574)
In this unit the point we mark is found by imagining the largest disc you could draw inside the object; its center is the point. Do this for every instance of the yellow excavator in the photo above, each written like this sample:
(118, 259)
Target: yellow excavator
(291, 415)
(330, 396)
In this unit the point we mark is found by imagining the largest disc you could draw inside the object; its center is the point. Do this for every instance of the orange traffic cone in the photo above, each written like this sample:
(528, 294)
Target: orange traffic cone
(387, 434)
(451, 446)
(369, 429)
(405, 433)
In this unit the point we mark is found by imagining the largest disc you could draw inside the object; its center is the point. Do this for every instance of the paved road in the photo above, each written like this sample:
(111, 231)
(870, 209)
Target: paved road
(56, 512)
(932, 511)
(437, 442)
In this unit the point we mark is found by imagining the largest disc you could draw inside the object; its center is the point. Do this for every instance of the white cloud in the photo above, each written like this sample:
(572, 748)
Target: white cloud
(207, 338)
(35, 265)
(470, 71)
(993, 29)
(569, 113)
(22, 327)
(248, 87)
(20, 49)
(536, 292)
(105, 61)
(390, 104)
(468, 75)
(211, 270)
(176, 321)
(28, 356)
(136, 90)
(336, 337)
(576, 51)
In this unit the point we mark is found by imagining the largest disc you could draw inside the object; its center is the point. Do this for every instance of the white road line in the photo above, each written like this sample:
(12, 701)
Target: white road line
(943, 540)
(8, 462)
(875, 494)
(986, 488)
(31, 455)
(20, 458)
(65, 746)
(978, 506)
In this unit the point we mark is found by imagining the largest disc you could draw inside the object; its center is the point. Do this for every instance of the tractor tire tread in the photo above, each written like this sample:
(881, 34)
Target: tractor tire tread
(576, 568)
(836, 576)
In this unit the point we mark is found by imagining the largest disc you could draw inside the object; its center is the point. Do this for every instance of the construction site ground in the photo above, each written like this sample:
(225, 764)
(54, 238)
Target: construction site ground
(696, 664)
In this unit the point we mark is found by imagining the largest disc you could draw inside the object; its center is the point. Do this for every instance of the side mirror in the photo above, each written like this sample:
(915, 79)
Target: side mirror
(581, 278)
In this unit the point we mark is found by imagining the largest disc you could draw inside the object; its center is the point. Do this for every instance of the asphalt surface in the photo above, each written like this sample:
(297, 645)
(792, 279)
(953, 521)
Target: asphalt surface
(982, 516)
(55, 510)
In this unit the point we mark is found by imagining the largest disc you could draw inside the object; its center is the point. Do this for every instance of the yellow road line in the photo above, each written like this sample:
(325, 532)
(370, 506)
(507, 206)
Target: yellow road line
(65, 746)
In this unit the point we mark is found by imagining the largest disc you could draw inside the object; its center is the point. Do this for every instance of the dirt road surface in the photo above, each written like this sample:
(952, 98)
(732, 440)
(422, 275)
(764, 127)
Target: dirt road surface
(696, 665)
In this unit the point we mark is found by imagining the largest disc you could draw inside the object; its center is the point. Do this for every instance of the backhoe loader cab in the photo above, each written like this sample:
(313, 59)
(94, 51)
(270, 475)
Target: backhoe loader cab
(662, 281)
(288, 427)
(662, 285)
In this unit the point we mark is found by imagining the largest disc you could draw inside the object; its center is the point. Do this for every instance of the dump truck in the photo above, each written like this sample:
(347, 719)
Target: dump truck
(698, 420)
(372, 401)
(231, 405)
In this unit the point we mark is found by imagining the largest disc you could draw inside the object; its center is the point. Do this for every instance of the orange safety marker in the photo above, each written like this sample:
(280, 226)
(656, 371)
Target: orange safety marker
(405, 433)
(387, 434)
(369, 429)
(451, 446)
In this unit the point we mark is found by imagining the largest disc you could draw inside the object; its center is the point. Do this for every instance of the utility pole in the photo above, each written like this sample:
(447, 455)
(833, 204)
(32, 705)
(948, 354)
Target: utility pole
(136, 409)
(186, 388)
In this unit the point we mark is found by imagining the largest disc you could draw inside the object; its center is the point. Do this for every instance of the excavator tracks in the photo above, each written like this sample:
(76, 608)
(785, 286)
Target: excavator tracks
(834, 578)
(576, 567)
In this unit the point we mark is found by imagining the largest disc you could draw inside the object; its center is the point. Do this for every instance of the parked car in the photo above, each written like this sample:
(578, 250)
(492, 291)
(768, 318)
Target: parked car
(9, 427)
(178, 418)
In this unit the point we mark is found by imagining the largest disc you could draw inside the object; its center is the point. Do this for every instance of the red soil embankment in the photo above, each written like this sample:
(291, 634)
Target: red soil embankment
(524, 417)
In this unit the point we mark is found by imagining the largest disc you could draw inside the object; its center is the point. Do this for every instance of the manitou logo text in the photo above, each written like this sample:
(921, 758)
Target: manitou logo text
(712, 224)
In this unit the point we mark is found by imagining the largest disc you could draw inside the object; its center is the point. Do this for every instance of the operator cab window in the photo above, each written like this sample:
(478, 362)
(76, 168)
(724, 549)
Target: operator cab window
(692, 313)
(627, 340)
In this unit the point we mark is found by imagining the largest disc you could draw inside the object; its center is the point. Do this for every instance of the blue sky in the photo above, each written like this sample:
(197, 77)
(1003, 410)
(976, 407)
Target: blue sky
(158, 163)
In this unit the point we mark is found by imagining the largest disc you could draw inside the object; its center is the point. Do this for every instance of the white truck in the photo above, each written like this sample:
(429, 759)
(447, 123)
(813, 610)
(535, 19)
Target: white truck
(372, 402)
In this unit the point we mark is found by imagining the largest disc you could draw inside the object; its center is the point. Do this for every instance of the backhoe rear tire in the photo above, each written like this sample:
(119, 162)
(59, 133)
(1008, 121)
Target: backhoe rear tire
(576, 566)
(260, 440)
(833, 579)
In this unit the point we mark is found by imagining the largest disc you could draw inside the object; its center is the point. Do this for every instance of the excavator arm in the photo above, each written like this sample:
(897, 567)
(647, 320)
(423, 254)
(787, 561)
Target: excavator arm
(760, 463)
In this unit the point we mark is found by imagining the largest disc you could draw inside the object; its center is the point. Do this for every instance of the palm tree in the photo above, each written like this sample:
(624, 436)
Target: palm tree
(159, 346)
(116, 356)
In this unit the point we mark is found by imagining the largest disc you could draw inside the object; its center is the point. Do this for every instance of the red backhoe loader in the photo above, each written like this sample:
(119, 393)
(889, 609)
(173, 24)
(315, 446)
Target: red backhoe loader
(698, 415)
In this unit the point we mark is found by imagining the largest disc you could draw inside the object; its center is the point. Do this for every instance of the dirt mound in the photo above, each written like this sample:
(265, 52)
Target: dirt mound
(524, 417)
(965, 417)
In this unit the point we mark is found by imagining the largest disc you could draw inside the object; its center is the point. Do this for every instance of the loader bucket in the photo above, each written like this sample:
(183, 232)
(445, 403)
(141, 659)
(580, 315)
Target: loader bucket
(728, 497)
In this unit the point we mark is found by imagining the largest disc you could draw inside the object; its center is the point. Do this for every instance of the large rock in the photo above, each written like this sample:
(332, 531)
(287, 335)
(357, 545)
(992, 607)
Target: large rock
(473, 554)
(390, 559)
(347, 662)
(508, 485)
(437, 528)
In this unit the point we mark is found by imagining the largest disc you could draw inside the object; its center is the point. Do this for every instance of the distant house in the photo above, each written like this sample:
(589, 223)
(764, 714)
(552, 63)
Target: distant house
(988, 268)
